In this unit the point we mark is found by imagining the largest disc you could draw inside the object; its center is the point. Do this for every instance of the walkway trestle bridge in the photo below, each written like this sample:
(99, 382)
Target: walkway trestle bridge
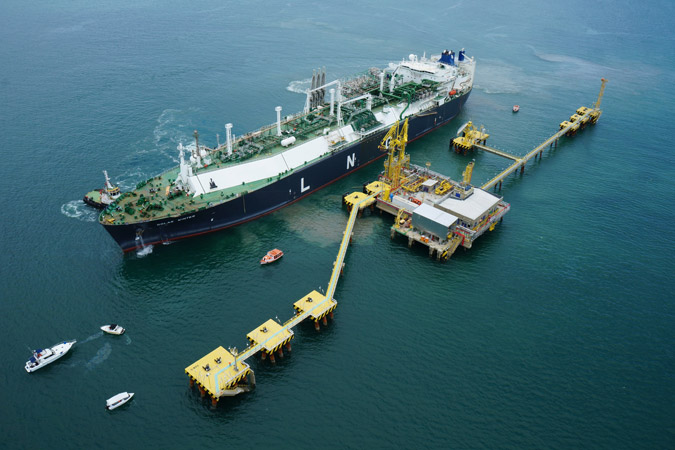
(470, 137)
(225, 373)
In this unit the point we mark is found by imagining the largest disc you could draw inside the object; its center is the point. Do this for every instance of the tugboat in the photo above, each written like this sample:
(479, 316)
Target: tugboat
(113, 329)
(102, 198)
(271, 256)
(118, 400)
(42, 357)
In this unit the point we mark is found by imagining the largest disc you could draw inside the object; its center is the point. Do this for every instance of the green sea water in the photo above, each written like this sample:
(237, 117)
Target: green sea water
(555, 330)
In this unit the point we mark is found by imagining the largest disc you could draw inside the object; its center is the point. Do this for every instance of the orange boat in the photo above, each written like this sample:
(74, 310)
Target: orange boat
(272, 256)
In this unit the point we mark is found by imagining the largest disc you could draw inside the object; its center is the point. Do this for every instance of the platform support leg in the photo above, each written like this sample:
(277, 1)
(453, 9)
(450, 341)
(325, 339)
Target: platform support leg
(263, 355)
(202, 392)
(192, 382)
(331, 315)
(317, 327)
(288, 347)
(324, 321)
(272, 360)
(281, 352)
(214, 401)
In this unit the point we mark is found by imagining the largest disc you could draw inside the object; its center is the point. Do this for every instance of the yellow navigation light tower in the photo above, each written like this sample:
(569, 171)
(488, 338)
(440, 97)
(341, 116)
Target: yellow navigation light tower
(394, 142)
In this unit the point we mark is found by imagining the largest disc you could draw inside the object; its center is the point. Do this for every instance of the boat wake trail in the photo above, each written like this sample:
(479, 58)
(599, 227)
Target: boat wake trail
(92, 337)
(128, 341)
(101, 355)
(78, 210)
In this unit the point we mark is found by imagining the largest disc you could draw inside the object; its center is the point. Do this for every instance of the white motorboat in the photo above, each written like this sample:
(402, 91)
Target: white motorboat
(42, 357)
(113, 329)
(118, 400)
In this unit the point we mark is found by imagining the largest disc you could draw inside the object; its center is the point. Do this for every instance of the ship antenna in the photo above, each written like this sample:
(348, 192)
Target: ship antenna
(107, 180)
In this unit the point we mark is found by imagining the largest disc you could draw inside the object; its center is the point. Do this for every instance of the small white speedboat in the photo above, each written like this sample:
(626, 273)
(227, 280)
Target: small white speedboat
(113, 329)
(118, 400)
(42, 357)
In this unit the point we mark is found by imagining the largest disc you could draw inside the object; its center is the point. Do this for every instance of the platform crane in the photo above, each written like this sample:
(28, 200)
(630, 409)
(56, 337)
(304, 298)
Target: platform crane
(394, 142)
(602, 91)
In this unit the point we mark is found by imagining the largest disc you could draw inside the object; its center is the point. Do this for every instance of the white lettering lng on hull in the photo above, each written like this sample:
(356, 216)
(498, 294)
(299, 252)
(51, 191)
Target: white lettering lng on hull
(351, 160)
(303, 188)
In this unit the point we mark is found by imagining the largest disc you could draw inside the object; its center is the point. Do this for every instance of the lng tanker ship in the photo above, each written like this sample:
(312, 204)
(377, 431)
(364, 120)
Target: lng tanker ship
(259, 172)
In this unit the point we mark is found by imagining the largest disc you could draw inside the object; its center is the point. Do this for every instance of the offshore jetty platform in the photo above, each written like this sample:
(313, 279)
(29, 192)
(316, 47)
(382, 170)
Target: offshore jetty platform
(430, 208)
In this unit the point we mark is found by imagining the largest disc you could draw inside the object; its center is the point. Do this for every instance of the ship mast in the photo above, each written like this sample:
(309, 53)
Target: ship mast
(197, 160)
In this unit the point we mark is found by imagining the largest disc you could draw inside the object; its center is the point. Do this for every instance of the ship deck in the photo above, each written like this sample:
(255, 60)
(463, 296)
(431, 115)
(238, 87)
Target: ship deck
(158, 197)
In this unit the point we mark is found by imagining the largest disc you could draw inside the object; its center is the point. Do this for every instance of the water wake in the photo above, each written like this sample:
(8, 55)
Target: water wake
(299, 87)
(101, 355)
(92, 337)
(77, 209)
(144, 251)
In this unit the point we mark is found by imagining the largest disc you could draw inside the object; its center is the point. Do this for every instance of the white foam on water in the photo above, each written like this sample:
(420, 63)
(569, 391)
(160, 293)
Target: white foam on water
(128, 339)
(299, 86)
(77, 209)
(144, 251)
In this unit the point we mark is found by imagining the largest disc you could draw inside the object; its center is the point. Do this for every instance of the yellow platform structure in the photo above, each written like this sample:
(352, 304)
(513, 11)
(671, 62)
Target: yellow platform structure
(377, 186)
(217, 372)
(316, 305)
(470, 135)
(357, 198)
(270, 336)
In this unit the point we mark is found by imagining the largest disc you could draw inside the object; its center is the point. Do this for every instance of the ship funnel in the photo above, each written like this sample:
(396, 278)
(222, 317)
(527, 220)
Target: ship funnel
(228, 130)
(278, 110)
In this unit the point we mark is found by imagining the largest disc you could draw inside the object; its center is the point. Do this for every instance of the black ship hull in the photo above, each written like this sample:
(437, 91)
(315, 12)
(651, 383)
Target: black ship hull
(301, 183)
